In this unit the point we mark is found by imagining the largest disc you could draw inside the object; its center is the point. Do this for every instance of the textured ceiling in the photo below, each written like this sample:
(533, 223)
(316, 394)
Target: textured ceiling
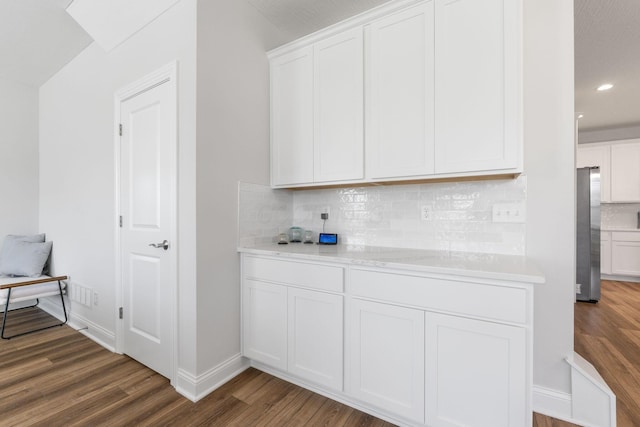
(37, 38)
(297, 18)
(607, 50)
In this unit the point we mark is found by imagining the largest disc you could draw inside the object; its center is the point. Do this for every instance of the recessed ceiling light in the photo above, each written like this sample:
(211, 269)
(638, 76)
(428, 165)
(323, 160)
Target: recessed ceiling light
(604, 87)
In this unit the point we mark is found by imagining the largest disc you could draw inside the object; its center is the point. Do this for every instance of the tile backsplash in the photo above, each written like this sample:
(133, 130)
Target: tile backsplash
(263, 213)
(458, 215)
(619, 215)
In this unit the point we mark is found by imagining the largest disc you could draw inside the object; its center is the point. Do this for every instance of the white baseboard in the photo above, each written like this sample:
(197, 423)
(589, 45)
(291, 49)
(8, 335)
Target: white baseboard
(94, 332)
(52, 306)
(634, 279)
(591, 403)
(594, 403)
(552, 403)
(195, 387)
(86, 327)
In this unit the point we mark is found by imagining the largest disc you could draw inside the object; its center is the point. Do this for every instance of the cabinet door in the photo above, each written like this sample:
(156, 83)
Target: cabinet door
(625, 258)
(339, 109)
(605, 252)
(292, 118)
(315, 337)
(387, 357)
(625, 172)
(475, 373)
(400, 94)
(478, 101)
(264, 314)
(597, 156)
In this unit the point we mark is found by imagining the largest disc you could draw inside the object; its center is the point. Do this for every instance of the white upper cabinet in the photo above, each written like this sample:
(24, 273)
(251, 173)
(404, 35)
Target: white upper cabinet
(433, 90)
(317, 112)
(619, 163)
(597, 155)
(625, 172)
(339, 109)
(400, 73)
(292, 118)
(477, 86)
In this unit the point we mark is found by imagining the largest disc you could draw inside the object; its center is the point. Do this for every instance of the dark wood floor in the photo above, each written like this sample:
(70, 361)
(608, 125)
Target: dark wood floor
(607, 334)
(59, 377)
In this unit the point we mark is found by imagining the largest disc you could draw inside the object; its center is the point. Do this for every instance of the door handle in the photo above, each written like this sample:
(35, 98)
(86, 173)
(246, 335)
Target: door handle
(164, 245)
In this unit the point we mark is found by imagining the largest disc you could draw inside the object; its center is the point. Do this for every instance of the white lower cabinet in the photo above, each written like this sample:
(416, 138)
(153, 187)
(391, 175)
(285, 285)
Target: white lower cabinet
(315, 337)
(293, 329)
(476, 373)
(605, 252)
(387, 357)
(417, 348)
(625, 253)
(264, 312)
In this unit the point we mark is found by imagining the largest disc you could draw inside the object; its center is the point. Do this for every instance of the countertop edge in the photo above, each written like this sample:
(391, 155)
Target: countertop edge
(525, 277)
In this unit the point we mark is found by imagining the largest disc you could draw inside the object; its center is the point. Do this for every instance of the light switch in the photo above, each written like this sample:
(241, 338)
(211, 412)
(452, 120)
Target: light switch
(509, 212)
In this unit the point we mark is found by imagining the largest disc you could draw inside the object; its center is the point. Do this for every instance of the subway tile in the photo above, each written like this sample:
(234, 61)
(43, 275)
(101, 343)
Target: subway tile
(460, 214)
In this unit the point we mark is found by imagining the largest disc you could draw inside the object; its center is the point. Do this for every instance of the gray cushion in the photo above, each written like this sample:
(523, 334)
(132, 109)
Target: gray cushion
(35, 238)
(20, 258)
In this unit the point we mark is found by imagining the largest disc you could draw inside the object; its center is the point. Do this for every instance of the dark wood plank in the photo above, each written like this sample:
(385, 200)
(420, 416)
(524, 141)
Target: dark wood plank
(58, 377)
(607, 334)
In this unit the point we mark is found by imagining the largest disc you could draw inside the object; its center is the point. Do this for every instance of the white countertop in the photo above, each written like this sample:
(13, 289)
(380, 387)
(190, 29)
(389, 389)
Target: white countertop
(620, 229)
(480, 265)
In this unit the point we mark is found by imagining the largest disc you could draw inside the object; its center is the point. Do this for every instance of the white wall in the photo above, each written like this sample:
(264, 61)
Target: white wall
(613, 134)
(77, 159)
(19, 154)
(233, 145)
(550, 167)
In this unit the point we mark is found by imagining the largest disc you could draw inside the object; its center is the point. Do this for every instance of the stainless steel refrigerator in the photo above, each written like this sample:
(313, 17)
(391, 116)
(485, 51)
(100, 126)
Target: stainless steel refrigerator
(588, 234)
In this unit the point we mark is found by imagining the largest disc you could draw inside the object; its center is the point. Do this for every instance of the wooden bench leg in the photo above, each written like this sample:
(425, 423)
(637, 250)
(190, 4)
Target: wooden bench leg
(6, 312)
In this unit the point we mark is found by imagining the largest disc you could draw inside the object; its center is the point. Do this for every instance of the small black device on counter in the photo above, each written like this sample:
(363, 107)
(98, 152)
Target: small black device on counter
(327, 239)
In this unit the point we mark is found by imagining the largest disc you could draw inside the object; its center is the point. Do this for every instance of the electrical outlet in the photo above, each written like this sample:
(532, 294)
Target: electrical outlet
(578, 288)
(509, 212)
(425, 213)
(324, 216)
(95, 298)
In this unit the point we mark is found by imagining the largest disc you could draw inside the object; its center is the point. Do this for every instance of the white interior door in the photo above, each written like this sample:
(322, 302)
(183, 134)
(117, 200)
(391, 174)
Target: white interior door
(147, 182)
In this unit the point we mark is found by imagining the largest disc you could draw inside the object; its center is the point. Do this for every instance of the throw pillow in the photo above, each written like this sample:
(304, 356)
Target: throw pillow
(34, 238)
(19, 258)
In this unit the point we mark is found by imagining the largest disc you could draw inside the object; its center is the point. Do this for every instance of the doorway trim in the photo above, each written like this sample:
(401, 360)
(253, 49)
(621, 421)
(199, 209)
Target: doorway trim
(167, 74)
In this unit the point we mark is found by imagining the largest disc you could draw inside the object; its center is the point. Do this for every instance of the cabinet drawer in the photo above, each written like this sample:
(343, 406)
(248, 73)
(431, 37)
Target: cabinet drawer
(625, 236)
(297, 273)
(472, 299)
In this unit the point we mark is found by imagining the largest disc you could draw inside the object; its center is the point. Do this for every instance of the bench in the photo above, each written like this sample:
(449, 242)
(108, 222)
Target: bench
(18, 289)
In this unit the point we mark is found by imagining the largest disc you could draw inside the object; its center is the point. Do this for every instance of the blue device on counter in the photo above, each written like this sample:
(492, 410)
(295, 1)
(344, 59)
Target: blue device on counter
(327, 239)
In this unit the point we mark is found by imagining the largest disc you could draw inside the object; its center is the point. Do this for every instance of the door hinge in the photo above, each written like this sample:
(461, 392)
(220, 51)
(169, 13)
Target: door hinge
(120, 313)
(120, 129)
(120, 221)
